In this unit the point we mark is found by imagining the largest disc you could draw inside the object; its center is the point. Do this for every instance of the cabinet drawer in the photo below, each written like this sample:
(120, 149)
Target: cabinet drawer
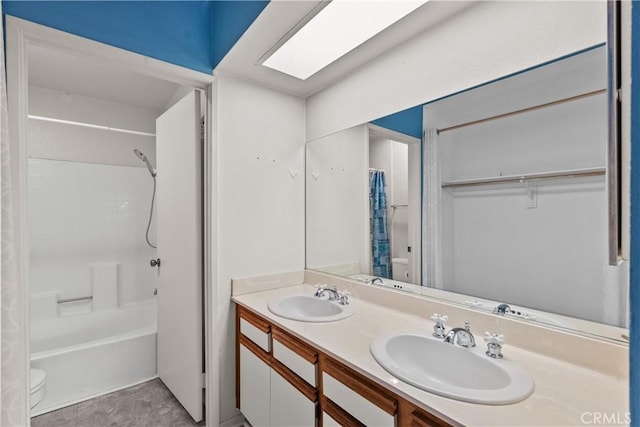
(260, 338)
(355, 404)
(295, 355)
(255, 328)
(367, 402)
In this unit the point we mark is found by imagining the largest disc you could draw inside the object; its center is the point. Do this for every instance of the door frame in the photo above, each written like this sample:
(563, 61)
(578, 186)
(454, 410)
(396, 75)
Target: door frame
(415, 193)
(20, 34)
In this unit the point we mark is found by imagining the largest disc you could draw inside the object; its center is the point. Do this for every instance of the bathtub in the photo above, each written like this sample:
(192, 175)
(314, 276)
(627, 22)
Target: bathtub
(90, 354)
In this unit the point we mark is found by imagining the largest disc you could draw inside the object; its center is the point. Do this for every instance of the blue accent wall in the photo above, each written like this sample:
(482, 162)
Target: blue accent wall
(192, 34)
(408, 121)
(634, 281)
(230, 19)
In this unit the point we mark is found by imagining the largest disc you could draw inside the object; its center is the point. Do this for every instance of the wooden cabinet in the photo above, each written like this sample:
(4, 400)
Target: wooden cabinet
(283, 381)
(255, 384)
(253, 373)
(268, 392)
(334, 416)
(290, 406)
(410, 415)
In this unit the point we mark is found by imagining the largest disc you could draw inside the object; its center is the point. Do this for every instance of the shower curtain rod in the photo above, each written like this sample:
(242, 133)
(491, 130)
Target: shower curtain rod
(89, 125)
(524, 110)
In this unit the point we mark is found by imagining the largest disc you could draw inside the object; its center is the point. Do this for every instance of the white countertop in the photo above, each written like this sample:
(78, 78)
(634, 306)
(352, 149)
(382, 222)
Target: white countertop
(564, 394)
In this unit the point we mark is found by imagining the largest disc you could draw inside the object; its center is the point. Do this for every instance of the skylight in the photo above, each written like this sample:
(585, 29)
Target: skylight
(336, 30)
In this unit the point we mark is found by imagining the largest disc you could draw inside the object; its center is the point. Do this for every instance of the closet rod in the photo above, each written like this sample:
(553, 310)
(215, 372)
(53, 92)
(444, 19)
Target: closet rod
(89, 125)
(576, 173)
(524, 110)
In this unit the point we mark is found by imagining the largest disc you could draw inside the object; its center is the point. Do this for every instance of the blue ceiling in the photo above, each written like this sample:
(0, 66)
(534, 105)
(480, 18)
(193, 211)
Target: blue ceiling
(407, 121)
(192, 34)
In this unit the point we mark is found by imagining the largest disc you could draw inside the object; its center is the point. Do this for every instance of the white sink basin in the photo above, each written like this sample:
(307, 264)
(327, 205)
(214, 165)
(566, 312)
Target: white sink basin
(460, 373)
(310, 309)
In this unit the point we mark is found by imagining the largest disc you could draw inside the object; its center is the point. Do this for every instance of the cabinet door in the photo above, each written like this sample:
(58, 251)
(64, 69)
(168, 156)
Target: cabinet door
(327, 421)
(254, 388)
(289, 407)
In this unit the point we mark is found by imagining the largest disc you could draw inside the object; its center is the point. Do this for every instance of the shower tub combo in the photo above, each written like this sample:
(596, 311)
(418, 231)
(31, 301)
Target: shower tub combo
(89, 354)
(93, 316)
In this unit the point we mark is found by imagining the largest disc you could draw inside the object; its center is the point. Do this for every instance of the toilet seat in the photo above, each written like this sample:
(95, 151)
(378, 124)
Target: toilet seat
(38, 380)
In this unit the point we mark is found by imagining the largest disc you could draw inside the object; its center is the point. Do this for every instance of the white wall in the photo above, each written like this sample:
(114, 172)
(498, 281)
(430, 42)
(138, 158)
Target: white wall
(338, 200)
(400, 197)
(485, 42)
(89, 195)
(552, 257)
(49, 140)
(259, 140)
(85, 214)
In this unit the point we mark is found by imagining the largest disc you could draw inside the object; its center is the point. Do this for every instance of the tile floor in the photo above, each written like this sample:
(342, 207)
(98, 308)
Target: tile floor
(149, 404)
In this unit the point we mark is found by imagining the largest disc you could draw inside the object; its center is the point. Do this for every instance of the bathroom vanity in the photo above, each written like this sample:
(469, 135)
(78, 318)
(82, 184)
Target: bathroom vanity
(294, 373)
(283, 381)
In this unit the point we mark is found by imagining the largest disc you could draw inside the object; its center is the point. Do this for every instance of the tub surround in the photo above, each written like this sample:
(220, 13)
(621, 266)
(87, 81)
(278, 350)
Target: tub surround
(574, 375)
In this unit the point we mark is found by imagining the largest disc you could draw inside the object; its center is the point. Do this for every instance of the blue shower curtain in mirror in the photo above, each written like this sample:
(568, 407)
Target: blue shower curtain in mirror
(380, 247)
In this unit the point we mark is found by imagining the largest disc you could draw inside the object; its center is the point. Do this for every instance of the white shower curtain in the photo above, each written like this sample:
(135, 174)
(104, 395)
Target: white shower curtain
(432, 222)
(13, 358)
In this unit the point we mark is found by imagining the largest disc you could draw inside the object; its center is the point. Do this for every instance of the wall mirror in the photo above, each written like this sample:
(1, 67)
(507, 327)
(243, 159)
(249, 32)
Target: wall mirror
(502, 200)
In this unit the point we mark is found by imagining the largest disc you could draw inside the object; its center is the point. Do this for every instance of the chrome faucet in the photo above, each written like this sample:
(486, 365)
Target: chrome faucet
(321, 289)
(439, 328)
(502, 309)
(343, 297)
(462, 336)
(494, 345)
(376, 280)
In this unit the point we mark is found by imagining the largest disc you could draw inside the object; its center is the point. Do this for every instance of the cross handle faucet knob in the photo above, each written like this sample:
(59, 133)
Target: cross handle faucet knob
(439, 328)
(343, 297)
(494, 344)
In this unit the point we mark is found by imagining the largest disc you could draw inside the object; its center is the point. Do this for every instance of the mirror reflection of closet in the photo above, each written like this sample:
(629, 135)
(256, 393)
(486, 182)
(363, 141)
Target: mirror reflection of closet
(520, 205)
(538, 243)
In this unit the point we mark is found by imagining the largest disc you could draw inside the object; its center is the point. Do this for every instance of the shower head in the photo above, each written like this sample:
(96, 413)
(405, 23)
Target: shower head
(146, 161)
(139, 154)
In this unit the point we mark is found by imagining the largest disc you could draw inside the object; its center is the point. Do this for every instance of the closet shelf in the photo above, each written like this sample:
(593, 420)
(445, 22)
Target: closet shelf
(507, 179)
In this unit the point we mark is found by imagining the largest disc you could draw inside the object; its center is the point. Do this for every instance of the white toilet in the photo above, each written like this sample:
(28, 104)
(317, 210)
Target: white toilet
(38, 381)
(400, 269)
